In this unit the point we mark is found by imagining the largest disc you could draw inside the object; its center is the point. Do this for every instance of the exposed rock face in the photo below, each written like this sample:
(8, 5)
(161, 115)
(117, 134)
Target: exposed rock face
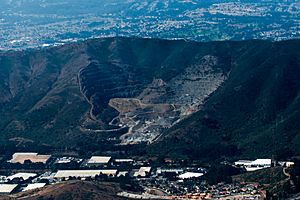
(147, 93)
(163, 104)
(137, 87)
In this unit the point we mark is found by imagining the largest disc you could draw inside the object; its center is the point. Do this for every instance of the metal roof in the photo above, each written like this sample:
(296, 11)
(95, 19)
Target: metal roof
(34, 186)
(24, 176)
(7, 188)
(142, 171)
(124, 160)
(83, 173)
(190, 175)
(99, 160)
(20, 157)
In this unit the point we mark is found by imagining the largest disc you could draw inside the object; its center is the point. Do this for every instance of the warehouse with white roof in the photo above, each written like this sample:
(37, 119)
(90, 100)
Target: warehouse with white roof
(23, 176)
(253, 165)
(83, 173)
(142, 172)
(34, 186)
(21, 157)
(189, 175)
(7, 188)
(98, 161)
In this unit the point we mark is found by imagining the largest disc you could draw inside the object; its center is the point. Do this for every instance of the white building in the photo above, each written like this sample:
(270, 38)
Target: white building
(243, 162)
(24, 176)
(67, 160)
(160, 171)
(188, 175)
(255, 164)
(34, 186)
(99, 160)
(7, 188)
(123, 161)
(142, 172)
(122, 173)
(83, 173)
(33, 157)
(286, 163)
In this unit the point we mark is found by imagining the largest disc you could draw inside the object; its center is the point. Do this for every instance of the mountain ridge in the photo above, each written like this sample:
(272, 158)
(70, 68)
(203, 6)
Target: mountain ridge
(71, 95)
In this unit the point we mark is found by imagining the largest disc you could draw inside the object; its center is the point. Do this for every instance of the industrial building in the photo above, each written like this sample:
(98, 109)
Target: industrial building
(32, 157)
(7, 188)
(122, 161)
(83, 173)
(22, 176)
(189, 175)
(98, 161)
(255, 164)
(34, 186)
(160, 171)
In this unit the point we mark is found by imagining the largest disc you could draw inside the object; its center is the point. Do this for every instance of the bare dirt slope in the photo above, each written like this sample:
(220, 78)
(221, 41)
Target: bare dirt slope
(75, 190)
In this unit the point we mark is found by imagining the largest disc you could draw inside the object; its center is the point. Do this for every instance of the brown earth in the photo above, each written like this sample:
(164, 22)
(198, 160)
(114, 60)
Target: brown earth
(74, 190)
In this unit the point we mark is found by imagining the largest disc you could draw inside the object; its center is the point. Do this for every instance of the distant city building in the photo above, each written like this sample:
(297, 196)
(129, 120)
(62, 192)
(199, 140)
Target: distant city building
(83, 173)
(254, 165)
(7, 188)
(32, 157)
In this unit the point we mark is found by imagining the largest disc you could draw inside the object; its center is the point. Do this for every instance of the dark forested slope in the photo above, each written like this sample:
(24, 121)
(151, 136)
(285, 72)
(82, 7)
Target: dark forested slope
(254, 113)
(208, 99)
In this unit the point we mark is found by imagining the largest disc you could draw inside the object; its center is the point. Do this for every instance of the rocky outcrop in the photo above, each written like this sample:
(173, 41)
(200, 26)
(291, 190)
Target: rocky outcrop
(136, 88)
(162, 104)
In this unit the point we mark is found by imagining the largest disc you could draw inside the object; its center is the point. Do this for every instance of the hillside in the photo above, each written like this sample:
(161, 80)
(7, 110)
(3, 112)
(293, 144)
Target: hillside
(254, 113)
(74, 190)
(272, 179)
(104, 88)
(210, 99)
